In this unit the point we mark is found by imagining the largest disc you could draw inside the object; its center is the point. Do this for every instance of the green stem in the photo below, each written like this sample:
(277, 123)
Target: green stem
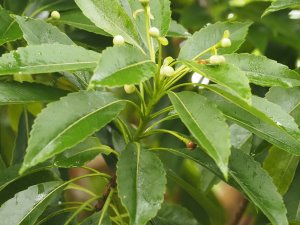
(173, 133)
(105, 207)
(161, 121)
(165, 110)
(149, 39)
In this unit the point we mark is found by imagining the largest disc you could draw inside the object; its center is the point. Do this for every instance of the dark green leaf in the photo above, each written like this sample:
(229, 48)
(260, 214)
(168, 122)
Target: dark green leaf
(248, 176)
(141, 183)
(47, 58)
(28, 205)
(9, 29)
(171, 214)
(195, 110)
(226, 75)
(81, 153)
(122, 65)
(17, 93)
(112, 20)
(263, 71)
(282, 4)
(211, 35)
(37, 32)
(177, 30)
(67, 122)
(94, 219)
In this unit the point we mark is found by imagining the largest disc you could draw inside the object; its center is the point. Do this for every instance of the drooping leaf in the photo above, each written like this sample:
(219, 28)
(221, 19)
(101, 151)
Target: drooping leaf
(195, 110)
(47, 58)
(171, 214)
(141, 183)
(112, 20)
(17, 93)
(9, 29)
(75, 18)
(226, 75)
(280, 5)
(27, 205)
(37, 32)
(211, 35)
(246, 175)
(263, 71)
(177, 30)
(81, 153)
(122, 65)
(65, 123)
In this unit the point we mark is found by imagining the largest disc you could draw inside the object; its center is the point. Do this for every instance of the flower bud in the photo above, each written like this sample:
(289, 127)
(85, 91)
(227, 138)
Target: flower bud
(225, 42)
(167, 71)
(118, 40)
(129, 89)
(154, 32)
(55, 15)
(163, 41)
(191, 145)
(168, 60)
(216, 59)
(226, 34)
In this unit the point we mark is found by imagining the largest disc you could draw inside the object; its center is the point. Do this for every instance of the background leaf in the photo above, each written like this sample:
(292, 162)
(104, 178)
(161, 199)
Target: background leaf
(281, 4)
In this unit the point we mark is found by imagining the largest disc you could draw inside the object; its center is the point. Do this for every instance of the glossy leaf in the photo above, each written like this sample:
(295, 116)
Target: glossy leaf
(171, 214)
(281, 166)
(177, 30)
(75, 18)
(112, 20)
(263, 71)
(37, 32)
(123, 65)
(77, 116)
(211, 35)
(247, 175)
(226, 75)
(141, 183)
(47, 58)
(195, 110)
(281, 4)
(27, 205)
(9, 29)
(81, 153)
(24, 93)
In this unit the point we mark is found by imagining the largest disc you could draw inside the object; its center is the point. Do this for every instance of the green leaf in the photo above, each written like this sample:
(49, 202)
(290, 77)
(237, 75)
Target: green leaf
(226, 75)
(281, 166)
(177, 30)
(171, 214)
(9, 29)
(281, 4)
(94, 219)
(263, 71)
(266, 129)
(75, 18)
(81, 153)
(67, 122)
(141, 183)
(246, 175)
(122, 65)
(112, 20)
(195, 110)
(28, 205)
(37, 32)
(24, 93)
(211, 35)
(47, 58)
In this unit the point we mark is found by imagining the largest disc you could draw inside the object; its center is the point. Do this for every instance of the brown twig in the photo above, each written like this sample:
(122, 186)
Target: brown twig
(243, 206)
(112, 184)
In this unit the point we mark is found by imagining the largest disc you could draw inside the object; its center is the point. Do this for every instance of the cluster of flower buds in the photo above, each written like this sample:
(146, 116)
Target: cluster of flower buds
(224, 43)
(166, 70)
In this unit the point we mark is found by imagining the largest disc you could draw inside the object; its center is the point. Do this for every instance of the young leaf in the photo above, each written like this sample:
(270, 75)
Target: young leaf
(195, 110)
(211, 35)
(67, 122)
(37, 32)
(246, 175)
(171, 214)
(81, 153)
(141, 183)
(17, 93)
(47, 58)
(9, 29)
(226, 75)
(280, 5)
(177, 30)
(75, 18)
(263, 71)
(122, 65)
(112, 20)
(28, 205)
